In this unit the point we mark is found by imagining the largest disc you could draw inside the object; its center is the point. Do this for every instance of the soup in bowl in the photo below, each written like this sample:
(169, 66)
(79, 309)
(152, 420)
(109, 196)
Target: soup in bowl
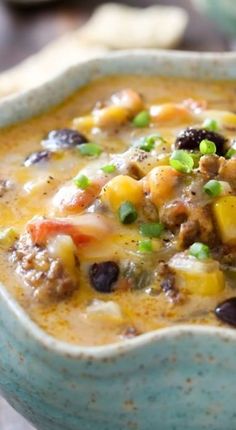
(117, 242)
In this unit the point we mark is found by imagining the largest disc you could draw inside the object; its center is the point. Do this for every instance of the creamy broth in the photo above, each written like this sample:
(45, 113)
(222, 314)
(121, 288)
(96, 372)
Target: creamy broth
(149, 286)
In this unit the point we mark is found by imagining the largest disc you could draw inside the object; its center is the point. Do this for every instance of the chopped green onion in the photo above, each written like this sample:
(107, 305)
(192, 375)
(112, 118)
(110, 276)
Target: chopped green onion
(82, 182)
(210, 124)
(207, 147)
(148, 143)
(91, 149)
(142, 119)
(127, 213)
(182, 161)
(151, 229)
(199, 250)
(196, 158)
(213, 188)
(230, 153)
(109, 168)
(145, 246)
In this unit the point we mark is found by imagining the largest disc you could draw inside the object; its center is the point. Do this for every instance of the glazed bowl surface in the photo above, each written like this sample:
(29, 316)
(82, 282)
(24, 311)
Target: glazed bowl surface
(176, 378)
(223, 12)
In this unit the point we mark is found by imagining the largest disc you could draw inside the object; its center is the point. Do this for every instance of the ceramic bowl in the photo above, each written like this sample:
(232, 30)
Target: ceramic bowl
(179, 378)
(221, 11)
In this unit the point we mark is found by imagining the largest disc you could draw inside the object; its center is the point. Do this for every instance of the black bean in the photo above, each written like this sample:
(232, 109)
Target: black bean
(63, 138)
(103, 276)
(190, 139)
(226, 311)
(36, 157)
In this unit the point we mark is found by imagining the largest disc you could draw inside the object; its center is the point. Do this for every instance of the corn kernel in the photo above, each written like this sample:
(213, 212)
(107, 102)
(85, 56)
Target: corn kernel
(110, 116)
(203, 284)
(225, 214)
(120, 189)
(83, 123)
(229, 119)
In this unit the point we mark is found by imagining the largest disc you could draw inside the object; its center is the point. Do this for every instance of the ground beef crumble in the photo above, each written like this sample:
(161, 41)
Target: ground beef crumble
(168, 284)
(45, 275)
(209, 165)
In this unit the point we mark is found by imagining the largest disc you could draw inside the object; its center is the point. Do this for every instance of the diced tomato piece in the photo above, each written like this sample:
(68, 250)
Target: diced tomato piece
(82, 230)
(71, 199)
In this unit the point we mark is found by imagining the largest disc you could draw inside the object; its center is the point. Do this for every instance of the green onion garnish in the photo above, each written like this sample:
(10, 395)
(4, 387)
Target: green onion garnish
(210, 124)
(151, 229)
(207, 147)
(196, 158)
(230, 153)
(91, 149)
(82, 182)
(109, 168)
(127, 213)
(142, 119)
(148, 143)
(199, 250)
(145, 246)
(213, 188)
(182, 161)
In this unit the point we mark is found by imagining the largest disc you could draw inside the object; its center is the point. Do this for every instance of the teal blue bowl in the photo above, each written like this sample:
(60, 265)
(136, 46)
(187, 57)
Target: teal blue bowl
(223, 12)
(179, 378)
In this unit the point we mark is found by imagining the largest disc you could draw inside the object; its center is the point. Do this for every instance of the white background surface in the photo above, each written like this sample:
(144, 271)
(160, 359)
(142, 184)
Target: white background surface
(10, 420)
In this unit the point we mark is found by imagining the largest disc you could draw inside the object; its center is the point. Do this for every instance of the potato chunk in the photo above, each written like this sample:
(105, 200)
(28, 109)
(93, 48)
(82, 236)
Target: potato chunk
(203, 278)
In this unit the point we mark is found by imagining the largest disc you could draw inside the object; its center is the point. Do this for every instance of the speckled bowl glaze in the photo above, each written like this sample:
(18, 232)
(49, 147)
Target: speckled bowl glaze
(180, 378)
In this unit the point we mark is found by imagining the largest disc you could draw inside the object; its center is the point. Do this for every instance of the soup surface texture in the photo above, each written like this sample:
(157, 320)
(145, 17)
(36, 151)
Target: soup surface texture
(118, 209)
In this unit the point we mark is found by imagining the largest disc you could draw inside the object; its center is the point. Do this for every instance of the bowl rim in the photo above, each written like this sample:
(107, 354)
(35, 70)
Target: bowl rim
(67, 349)
(211, 65)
